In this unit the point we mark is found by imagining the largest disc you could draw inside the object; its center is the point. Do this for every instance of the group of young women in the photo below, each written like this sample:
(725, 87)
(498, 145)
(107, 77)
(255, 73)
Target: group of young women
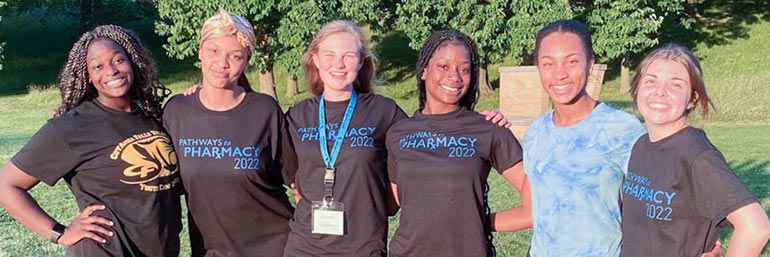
(353, 157)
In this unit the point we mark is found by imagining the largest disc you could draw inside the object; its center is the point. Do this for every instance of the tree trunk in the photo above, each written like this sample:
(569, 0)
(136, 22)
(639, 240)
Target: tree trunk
(625, 78)
(484, 87)
(291, 85)
(267, 83)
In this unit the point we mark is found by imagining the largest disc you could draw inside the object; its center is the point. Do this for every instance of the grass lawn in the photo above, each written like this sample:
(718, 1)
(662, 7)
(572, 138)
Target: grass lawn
(735, 67)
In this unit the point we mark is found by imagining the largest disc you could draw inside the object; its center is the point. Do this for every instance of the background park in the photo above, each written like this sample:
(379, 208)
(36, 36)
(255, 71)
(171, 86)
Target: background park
(732, 39)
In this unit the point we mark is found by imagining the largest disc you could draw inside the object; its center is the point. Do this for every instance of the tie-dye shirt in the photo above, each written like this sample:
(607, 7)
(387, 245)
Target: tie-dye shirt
(575, 173)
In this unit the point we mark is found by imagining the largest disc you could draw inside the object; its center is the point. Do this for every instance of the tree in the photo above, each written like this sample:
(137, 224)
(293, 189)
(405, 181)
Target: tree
(623, 27)
(283, 28)
(2, 3)
(88, 13)
(181, 22)
(499, 27)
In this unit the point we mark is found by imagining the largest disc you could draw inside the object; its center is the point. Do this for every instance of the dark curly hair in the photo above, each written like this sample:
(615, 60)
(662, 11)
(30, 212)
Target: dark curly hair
(146, 92)
(441, 39)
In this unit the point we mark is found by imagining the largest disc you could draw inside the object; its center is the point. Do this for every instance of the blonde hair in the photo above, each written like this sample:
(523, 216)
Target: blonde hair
(683, 56)
(363, 81)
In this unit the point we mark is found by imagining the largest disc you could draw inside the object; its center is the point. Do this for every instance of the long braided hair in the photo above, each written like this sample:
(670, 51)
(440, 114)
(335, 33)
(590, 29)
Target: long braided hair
(441, 39)
(146, 92)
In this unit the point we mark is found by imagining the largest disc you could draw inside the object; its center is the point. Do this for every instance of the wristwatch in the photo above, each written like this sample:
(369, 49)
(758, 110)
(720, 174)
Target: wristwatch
(56, 232)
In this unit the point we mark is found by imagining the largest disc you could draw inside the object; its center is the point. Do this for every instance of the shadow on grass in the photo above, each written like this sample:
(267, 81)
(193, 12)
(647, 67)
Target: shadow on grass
(397, 59)
(755, 175)
(718, 23)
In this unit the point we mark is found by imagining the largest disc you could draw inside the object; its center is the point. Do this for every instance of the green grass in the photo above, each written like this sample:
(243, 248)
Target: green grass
(735, 68)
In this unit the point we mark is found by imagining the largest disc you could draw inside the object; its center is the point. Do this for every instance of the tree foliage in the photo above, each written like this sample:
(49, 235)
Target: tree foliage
(624, 27)
(303, 18)
(87, 13)
(499, 27)
(284, 28)
(628, 26)
(181, 22)
(2, 3)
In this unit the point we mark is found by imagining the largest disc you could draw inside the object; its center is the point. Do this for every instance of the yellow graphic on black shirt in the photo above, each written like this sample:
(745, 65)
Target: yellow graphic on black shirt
(152, 161)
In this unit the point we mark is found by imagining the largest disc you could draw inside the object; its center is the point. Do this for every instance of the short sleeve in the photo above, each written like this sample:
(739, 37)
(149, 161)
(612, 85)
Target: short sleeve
(634, 131)
(392, 170)
(288, 158)
(506, 150)
(718, 190)
(398, 115)
(47, 156)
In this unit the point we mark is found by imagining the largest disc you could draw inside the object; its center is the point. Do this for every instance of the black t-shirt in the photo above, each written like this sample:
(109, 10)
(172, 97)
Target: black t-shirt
(676, 192)
(121, 160)
(441, 164)
(361, 180)
(230, 163)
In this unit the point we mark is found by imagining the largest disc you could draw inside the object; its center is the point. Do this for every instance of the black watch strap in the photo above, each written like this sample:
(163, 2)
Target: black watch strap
(56, 232)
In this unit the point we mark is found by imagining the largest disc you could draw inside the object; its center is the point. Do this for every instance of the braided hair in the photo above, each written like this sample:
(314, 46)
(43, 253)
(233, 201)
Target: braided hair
(441, 39)
(147, 92)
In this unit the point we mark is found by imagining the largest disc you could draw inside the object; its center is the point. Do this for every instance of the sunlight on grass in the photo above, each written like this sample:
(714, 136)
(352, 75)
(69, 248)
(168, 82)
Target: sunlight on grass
(736, 75)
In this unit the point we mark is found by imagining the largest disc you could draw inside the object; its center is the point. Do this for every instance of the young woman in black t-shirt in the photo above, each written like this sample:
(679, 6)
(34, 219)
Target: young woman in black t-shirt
(231, 144)
(106, 142)
(440, 158)
(339, 65)
(679, 188)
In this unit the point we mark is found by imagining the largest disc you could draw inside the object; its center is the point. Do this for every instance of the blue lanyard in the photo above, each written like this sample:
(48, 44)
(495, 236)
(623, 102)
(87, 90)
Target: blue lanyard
(329, 160)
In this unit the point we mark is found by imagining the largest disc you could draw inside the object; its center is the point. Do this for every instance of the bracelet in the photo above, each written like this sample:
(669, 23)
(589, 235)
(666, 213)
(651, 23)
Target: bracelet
(56, 232)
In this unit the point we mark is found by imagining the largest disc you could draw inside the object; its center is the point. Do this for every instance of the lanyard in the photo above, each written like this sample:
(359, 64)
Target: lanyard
(329, 160)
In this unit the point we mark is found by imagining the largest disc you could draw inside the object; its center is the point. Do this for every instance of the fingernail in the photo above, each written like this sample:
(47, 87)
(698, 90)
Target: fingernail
(111, 234)
(104, 241)
(102, 207)
(112, 223)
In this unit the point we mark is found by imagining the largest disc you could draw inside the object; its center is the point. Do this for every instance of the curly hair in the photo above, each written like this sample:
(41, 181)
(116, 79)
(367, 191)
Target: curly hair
(441, 39)
(146, 92)
(363, 82)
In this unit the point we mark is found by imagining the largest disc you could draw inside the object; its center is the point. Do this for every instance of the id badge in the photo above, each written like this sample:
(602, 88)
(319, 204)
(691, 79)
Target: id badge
(328, 218)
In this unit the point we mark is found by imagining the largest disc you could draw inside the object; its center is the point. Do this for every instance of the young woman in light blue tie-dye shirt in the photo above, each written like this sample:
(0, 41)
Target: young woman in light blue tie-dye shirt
(575, 156)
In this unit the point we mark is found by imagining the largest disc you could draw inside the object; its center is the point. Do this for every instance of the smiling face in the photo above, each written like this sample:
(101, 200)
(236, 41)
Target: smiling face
(109, 70)
(664, 96)
(338, 60)
(447, 78)
(564, 66)
(223, 60)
